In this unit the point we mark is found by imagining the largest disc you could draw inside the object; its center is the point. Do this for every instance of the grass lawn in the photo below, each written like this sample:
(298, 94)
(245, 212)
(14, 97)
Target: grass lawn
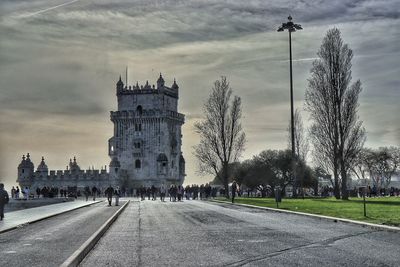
(384, 210)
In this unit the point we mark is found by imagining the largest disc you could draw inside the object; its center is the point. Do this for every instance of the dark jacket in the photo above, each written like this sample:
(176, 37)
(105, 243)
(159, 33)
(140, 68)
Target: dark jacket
(109, 191)
(3, 197)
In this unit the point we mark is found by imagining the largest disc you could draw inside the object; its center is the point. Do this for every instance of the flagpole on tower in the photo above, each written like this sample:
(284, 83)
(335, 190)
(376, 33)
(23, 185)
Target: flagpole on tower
(126, 76)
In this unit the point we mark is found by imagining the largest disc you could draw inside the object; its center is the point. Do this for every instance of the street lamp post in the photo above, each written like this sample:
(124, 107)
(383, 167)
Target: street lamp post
(291, 27)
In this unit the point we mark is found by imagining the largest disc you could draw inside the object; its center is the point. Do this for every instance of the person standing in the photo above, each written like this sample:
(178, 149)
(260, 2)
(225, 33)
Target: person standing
(179, 191)
(153, 193)
(162, 193)
(94, 192)
(3, 200)
(142, 193)
(234, 189)
(26, 193)
(13, 192)
(17, 193)
(86, 192)
(117, 194)
(109, 193)
(148, 192)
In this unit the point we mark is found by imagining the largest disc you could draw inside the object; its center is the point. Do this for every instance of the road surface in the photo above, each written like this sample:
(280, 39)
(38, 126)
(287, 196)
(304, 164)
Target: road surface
(195, 233)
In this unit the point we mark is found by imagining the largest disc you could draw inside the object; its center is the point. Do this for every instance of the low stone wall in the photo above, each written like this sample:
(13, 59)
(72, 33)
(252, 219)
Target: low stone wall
(20, 204)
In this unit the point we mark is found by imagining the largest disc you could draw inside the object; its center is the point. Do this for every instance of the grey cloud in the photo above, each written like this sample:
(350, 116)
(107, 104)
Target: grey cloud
(65, 61)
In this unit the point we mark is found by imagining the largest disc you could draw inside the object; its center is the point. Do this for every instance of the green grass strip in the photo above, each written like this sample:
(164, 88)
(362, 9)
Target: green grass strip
(383, 210)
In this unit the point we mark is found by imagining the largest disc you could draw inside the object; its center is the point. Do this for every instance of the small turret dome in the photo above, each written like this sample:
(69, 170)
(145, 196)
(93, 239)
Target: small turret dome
(26, 162)
(42, 166)
(160, 81)
(73, 165)
(120, 83)
(175, 85)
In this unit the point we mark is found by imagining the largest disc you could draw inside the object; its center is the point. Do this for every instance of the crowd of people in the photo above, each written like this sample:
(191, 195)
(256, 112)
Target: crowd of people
(173, 192)
(17, 193)
(176, 192)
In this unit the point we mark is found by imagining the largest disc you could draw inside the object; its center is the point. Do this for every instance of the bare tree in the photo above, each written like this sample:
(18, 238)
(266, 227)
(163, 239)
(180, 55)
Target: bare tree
(300, 138)
(301, 147)
(336, 130)
(222, 138)
(379, 165)
(361, 167)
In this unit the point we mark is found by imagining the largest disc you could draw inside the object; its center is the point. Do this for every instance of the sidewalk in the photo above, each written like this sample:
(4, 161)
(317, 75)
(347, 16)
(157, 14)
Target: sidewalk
(19, 218)
(324, 217)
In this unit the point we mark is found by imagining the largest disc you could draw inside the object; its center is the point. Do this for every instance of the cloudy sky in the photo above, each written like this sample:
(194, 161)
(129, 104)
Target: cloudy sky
(60, 60)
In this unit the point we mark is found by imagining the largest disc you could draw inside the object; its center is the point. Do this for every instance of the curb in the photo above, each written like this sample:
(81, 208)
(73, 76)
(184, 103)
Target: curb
(49, 216)
(83, 250)
(329, 218)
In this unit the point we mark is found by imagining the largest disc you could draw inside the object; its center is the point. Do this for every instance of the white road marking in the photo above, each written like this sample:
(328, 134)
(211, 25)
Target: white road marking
(27, 244)
(10, 252)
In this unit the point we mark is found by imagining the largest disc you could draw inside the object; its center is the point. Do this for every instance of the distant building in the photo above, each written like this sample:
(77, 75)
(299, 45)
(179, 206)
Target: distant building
(145, 148)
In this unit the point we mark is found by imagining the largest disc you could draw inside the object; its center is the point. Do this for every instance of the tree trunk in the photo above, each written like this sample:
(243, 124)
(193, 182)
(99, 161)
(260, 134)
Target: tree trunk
(336, 189)
(225, 178)
(345, 193)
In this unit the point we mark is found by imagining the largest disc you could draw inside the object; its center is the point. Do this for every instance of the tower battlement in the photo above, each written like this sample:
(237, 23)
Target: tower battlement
(161, 88)
(146, 114)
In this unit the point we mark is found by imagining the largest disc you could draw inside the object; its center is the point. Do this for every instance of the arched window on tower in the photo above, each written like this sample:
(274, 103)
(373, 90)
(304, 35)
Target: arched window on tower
(139, 110)
(138, 164)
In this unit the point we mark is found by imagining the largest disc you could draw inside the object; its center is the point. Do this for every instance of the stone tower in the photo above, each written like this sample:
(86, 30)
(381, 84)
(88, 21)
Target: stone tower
(25, 171)
(146, 146)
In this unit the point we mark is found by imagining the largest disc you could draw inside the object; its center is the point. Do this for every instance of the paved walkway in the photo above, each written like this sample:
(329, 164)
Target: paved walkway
(18, 218)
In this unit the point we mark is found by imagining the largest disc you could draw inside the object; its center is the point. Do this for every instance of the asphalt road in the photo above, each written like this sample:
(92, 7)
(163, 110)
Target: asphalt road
(195, 233)
(50, 242)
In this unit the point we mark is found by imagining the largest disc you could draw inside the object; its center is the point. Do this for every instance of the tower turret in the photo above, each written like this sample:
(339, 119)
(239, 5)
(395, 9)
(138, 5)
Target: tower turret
(120, 85)
(175, 85)
(42, 168)
(25, 171)
(73, 166)
(160, 82)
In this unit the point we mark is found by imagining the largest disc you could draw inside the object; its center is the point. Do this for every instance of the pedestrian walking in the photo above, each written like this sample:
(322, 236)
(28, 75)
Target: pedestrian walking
(17, 193)
(26, 193)
(234, 189)
(13, 192)
(3, 200)
(163, 191)
(179, 192)
(86, 192)
(148, 192)
(153, 193)
(117, 194)
(94, 192)
(109, 193)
